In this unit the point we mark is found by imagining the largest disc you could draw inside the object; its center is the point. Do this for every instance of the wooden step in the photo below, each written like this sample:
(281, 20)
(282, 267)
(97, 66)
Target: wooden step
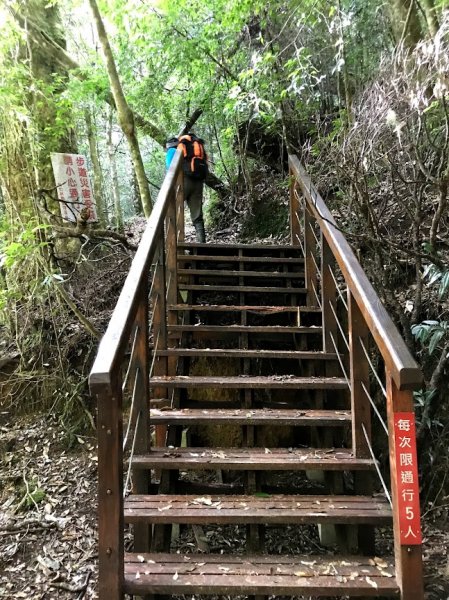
(273, 417)
(286, 329)
(233, 246)
(256, 459)
(207, 488)
(286, 382)
(218, 574)
(225, 273)
(243, 259)
(236, 353)
(262, 310)
(241, 288)
(260, 508)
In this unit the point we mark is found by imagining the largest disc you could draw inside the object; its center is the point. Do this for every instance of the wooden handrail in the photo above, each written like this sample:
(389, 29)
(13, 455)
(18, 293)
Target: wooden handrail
(130, 320)
(365, 314)
(114, 341)
(404, 370)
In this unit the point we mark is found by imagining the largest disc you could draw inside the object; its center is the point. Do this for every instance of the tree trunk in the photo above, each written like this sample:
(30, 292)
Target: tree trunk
(31, 127)
(405, 22)
(191, 121)
(27, 151)
(118, 213)
(431, 16)
(124, 113)
(344, 71)
(102, 212)
(137, 203)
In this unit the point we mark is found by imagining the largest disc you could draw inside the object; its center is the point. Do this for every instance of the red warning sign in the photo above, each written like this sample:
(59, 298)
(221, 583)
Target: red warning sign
(407, 478)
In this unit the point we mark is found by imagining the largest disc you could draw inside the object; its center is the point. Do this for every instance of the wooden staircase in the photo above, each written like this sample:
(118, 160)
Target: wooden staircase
(242, 373)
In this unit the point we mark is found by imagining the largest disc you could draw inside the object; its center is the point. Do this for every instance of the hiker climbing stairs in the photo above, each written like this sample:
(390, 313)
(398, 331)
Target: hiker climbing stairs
(239, 386)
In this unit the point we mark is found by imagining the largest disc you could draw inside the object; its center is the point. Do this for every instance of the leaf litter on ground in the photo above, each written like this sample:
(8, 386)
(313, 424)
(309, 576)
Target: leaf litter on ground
(48, 521)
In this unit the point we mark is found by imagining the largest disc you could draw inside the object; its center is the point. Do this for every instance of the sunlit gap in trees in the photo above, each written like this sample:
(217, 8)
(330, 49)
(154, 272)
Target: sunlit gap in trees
(3, 18)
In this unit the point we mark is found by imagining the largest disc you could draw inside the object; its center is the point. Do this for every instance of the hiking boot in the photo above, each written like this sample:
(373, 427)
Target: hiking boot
(200, 232)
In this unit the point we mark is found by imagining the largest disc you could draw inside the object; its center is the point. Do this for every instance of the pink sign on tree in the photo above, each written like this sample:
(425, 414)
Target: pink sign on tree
(73, 185)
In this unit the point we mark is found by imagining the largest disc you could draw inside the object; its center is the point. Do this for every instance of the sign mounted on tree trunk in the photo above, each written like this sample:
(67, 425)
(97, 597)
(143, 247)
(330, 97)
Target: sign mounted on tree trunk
(74, 189)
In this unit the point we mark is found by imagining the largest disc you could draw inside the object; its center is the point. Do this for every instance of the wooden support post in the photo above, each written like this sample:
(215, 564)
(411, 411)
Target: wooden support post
(334, 480)
(171, 246)
(295, 212)
(359, 369)
(310, 252)
(161, 533)
(361, 410)
(141, 412)
(179, 194)
(110, 490)
(171, 272)
(160, 337)
(328, 297)
(408, 557)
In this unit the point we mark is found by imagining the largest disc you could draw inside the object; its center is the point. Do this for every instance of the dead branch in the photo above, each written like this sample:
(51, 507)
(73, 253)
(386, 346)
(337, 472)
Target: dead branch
(16, 526)
(82, 231)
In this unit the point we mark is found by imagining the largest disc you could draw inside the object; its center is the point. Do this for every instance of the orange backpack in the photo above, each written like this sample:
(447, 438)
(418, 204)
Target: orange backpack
(195, 157)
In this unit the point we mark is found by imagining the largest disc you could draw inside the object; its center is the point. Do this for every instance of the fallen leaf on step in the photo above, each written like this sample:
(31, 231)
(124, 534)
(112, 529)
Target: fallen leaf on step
(140, 558)
(371, 582)
(207, 500)
(175, 576)
(380, 562)
(218, 454)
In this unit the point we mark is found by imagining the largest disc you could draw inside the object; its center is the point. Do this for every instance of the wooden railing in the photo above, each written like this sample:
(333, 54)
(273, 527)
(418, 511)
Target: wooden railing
(121, 373)
(357, 327)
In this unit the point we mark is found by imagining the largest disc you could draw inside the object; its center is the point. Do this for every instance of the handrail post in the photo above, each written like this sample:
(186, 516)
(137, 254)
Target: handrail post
(171, 257)
(404, 491)
(359, 369)
(110, 489)
(160, 337)
(361, 410)
(310, 248)
(179, 194)
(141, 403)
(328, 297)
(295, 211)
(171, 274)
